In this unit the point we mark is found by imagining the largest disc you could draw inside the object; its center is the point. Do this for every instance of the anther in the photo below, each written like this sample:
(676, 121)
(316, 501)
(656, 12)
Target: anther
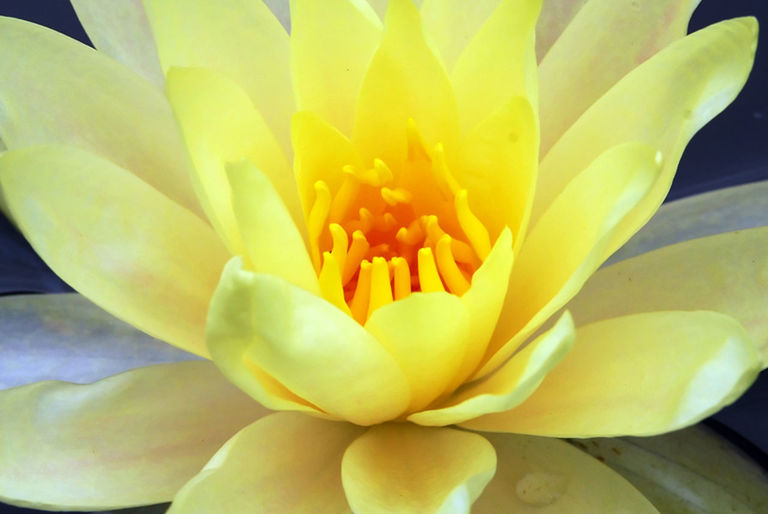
(345, 196)
(429, 279)
(402, 278)
(381, 291)
(412, 235)
(452, 275)
(475, 231)
(366, 220)
(330, 282)
(316, 220)
(357, 251)
(359, 303)
(340, 245)
(396, 196)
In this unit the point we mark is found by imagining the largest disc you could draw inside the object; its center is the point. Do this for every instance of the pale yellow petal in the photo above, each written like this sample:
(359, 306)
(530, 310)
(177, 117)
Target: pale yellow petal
(116, 240)
(131, 439)
(427, 333)
(332, 43)
(606, 40)
(553, 19)
(54, 90)
(641, 374)
(568, 243)
(220, 125)
(120, 29)
(272, 241)
(542, 475)
(299, 339)
(241, 39)
(286, 462)
(663, 102)
(499, 159)
(483, 302)
(724, 273)
(404, 82)
(450, 25)
(495, 65)
(404, 468)
(509, 385)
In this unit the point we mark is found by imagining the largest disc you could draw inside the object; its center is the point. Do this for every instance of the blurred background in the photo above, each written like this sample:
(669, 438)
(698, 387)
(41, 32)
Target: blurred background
(731, 150)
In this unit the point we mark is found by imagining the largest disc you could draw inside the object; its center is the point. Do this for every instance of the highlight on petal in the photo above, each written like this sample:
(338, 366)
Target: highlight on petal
(509, 385)
(285, 462)
(404, 81)
(662, 102)
(131, 439)
(85, 99)
(428, 334)
(568, 243)
(327, 78)
(405, 468)
(117, 240)
(602, 43)
(220, 125)
(272, 241)
(498, 64)
(548, 476)
(120, 29)
(240, 39)
(724, 273)
(637, 375)
(297, 339)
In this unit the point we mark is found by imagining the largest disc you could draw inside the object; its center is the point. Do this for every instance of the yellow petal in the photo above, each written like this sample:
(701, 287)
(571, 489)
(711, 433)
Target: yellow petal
(509, 385)
(497, 63)
(120, 29)
(327, 77)
(604, 41)
(54, 90)
(450, 25)
(404, 81)
(568, 243)
(131, 439)
(273, 243)
(427, 333)
(553, 19)
(321, 153)
(220, 125)
(637, 375)
(119, 242)
(724, 273)
(542, 475)
(282, 463)
(404, 468)
(297, 338)
(238, 38)
(483, 302)
(499, 159)
(663, 102)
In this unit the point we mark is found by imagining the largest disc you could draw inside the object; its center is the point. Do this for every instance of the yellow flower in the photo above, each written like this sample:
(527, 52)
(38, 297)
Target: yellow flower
(401, 202)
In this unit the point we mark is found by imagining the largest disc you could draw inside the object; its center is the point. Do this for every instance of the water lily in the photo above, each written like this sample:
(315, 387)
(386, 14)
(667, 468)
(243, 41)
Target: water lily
(371, 225)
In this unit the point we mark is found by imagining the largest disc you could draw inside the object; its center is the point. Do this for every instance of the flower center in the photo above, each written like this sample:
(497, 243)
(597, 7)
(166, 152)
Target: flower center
(385, 233)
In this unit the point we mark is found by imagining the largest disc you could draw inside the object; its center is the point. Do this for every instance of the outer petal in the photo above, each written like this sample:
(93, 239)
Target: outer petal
(273, 242)
(131, 439)
(637, 375)
(240, 39)
(116, 240)
(568, 243)
(327, 77)
(663, 102)
(404, 468)
(604, 41)
(282, 463)
(725, 273)
(298, 338)
(56, 90)
(121, 30)
(66, 337)
(220, 125)
(509, 385)
(427, 334)
(404, 81)
(554, 18)
(542, 475)
(498, 63)
(450, 25)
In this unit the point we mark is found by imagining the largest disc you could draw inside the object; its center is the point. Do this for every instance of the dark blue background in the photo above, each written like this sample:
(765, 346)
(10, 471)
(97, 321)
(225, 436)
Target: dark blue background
(730, 150)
